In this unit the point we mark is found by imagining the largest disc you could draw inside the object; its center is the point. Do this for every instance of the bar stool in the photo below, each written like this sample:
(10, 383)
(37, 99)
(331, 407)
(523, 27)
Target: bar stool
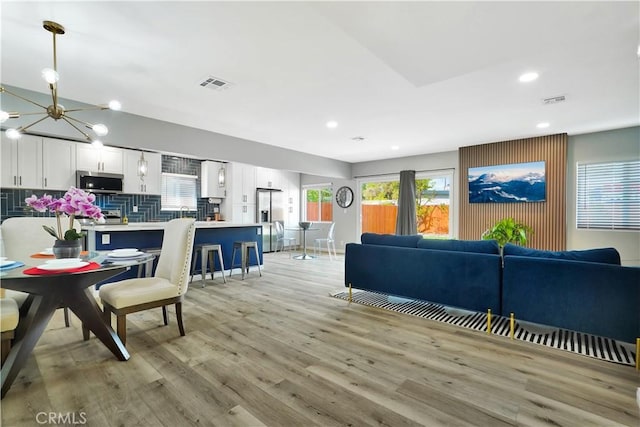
(206, 251)
(244, 256)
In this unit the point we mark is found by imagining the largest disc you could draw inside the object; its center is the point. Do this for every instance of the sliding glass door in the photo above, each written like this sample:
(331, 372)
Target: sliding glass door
(379, 204)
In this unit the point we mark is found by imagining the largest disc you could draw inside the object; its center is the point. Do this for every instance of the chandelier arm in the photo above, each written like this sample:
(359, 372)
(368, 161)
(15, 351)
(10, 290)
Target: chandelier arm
(23, 128)
(29, 114)
(97, 107)
(4, 90)
(66, 119)
(87, 124)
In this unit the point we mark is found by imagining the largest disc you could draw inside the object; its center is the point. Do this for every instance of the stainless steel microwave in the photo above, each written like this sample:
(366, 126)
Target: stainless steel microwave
(99, 182)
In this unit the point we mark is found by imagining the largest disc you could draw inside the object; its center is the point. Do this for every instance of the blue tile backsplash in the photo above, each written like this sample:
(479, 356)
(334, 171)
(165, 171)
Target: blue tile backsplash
(12, 199)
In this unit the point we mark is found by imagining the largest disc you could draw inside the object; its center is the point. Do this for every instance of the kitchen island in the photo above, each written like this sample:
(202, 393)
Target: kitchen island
(148, 236)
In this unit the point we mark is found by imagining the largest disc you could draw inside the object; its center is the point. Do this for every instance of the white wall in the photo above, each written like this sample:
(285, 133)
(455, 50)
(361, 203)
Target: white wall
(620, 144)
(346, 219)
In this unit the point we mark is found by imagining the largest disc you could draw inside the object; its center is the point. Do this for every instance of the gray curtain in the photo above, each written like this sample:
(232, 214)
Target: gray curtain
(406, 223)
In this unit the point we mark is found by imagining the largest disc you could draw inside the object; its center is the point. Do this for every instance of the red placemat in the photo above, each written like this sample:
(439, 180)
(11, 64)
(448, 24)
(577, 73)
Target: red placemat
(83, 253)
(35, 271)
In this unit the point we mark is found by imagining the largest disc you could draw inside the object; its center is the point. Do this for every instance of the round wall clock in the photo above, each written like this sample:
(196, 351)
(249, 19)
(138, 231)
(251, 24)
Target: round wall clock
(344, 197)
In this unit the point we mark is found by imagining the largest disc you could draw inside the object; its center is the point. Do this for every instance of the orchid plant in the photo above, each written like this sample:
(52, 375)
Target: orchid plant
(74, 202)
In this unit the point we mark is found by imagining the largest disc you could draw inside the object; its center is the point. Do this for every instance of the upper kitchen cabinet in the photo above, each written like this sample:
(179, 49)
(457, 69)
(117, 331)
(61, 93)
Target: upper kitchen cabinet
(213, 179)
(58, 164)
(105, 159)
(22, 162)
(151, 182)
(241, 178)
(269, 178)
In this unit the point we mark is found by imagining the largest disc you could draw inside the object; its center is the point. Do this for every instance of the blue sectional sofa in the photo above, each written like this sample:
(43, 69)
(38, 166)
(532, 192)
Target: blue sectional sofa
(586, 291)
(465, 274)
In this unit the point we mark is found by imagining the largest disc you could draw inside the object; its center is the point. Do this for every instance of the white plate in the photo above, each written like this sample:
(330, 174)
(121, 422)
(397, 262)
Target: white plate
(48, 251)
(61, 267)
(6, 262)
(125, 250)
(62, 261)
(124, 254)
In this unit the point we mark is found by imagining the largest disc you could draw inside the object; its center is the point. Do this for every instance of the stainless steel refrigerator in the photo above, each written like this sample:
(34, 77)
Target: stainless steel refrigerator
(269, 208)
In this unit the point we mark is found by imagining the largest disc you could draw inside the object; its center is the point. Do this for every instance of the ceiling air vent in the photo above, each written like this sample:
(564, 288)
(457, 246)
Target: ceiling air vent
(554, 100)
(214, 83)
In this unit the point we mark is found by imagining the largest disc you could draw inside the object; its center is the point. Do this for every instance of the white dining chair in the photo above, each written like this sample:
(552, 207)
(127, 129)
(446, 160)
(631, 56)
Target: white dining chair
(168, 285)
(283, 242)
(9, 318)
(329, 241)
(23, 237)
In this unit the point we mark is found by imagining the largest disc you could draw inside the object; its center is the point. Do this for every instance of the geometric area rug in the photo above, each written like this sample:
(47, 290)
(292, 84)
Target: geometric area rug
(562, 339)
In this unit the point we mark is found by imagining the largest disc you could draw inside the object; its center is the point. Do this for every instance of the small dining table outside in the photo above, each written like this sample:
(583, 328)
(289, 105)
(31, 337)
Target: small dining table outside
(47, 293)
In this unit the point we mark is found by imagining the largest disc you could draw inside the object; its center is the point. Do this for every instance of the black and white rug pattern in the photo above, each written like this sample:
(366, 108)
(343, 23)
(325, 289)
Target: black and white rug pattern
(576, 342)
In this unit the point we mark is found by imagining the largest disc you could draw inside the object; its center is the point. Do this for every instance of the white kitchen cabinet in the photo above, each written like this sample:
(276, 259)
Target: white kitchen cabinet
(104, 159)
(22, 162)
(291, 189)
(243, 213)
(269, 178)
(58, 164)
(240, 203)
(209, 179)
(152, 181)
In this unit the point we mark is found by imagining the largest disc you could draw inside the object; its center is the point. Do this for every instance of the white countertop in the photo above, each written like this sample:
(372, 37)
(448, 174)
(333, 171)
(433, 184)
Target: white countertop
(141, 226)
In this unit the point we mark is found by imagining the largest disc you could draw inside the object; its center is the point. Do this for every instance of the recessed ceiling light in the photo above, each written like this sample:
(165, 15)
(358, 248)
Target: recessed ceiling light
(332, 124)
(395, 147)
(542, 125)
(528, 77)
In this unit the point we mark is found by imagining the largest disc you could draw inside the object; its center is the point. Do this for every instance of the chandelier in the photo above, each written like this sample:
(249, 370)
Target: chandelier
(55, 111)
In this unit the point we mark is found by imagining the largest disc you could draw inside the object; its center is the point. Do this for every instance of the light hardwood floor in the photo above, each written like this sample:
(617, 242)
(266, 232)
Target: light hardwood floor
(279, 351)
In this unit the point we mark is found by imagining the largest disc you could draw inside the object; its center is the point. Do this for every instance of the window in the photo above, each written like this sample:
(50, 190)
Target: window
(379, 204)
(608, 196)
(178, 191)
(319, 202)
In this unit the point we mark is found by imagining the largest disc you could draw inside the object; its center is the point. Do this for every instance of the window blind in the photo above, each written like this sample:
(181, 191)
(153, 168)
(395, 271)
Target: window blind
(178, 191)
(608, 195)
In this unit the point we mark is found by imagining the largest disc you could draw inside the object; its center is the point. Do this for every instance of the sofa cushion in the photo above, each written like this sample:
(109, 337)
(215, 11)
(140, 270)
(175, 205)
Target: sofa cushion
(474, 246)
(390, 240)
(602, 255)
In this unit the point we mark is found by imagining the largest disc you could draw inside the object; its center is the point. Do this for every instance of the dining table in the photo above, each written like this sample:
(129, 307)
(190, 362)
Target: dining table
(54, 289)
(304, 254)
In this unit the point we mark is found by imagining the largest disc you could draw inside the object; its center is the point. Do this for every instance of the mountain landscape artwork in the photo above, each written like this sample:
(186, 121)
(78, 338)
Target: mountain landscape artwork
(513, 183)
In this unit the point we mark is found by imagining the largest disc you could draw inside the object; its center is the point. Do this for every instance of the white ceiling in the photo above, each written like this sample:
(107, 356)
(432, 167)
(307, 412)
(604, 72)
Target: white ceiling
(424, 76)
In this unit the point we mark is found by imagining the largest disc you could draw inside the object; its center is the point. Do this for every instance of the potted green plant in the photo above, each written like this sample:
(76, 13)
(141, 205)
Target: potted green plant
(508, 230)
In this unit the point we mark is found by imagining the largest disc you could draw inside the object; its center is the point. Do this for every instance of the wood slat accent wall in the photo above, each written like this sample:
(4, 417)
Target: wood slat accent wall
(548, 219)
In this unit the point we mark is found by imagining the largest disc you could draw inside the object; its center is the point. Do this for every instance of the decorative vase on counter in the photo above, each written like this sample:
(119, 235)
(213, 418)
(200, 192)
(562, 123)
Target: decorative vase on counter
(67, 248)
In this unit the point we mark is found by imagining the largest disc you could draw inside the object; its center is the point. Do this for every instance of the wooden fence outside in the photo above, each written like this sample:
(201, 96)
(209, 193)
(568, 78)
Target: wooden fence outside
(327, 211)
(382, 219)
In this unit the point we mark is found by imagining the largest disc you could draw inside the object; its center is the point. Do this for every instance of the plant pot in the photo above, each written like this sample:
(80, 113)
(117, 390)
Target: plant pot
(67, 248)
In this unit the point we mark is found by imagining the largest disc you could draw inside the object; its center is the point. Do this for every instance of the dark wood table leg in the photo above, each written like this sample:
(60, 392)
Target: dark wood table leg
(84, 305)
(40, 312)
(47, 294)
